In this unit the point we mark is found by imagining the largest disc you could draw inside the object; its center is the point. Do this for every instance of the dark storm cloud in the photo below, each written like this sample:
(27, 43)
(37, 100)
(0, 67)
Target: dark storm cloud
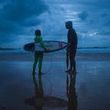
(107, 23)
(83, 15)
(18, 10)
(15, 15)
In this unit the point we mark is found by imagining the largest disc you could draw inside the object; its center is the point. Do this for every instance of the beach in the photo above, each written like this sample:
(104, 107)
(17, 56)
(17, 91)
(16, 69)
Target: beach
(84, 88)
(91, 89)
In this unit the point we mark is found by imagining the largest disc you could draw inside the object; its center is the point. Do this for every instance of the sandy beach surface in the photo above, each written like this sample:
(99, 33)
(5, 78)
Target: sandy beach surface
(91, 90)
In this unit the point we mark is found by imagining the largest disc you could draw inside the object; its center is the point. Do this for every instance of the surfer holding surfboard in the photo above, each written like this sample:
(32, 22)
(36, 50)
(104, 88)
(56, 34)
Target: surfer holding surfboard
(39, 47)
(38, 55)
(72, 45)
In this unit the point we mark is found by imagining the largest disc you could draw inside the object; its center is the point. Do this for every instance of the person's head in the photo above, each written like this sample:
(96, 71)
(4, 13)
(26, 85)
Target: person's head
(38, 32)
(68, 24)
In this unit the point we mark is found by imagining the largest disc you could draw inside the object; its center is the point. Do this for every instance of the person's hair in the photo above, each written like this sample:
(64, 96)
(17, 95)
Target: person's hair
(68, 24)
(38, 32)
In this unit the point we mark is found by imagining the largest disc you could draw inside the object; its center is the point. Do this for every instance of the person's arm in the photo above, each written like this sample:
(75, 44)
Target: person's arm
(42, 44)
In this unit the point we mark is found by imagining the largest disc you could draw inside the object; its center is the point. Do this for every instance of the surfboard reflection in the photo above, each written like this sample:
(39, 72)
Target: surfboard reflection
(71, 91)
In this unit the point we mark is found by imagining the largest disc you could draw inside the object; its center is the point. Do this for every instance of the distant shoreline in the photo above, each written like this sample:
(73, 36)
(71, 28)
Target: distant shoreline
(55, 56)
(79, 50)
(10, 48)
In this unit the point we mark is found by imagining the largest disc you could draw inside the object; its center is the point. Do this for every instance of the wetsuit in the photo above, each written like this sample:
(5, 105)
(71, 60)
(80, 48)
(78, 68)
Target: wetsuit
(38, 39)
(38, 55)
(72, 46)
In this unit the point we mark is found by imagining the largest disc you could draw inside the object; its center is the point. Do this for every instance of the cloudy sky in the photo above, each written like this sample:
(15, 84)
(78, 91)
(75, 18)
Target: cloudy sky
(16, 16)
(22, 17)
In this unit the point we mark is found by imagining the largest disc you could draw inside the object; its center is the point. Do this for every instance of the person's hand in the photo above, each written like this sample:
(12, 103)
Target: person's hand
(46, 49)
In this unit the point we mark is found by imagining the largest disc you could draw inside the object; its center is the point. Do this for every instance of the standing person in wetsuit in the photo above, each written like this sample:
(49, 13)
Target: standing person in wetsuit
(72, 45)
(38, 56)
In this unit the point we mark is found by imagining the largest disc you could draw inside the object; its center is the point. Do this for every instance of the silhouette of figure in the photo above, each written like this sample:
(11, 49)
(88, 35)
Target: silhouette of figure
(38, 56)
(72, 45)
(71, 91)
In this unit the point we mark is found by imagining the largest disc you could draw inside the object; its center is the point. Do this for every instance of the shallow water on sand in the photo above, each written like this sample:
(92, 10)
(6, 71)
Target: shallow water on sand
(90, 92)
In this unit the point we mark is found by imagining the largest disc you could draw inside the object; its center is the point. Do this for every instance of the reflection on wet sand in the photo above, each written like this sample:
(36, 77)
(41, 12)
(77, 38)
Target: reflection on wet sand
(39, 101)
(71, 91)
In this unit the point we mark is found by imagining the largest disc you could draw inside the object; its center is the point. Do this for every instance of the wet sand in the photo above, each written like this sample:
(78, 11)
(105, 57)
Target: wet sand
(91, 89)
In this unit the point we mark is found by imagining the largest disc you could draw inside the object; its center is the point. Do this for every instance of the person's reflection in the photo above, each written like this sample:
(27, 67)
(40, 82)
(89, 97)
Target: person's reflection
(37, 101)
(71, 92)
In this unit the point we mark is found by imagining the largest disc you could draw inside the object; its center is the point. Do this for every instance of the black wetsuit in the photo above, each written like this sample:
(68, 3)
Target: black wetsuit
(72, 41)
(72, 46)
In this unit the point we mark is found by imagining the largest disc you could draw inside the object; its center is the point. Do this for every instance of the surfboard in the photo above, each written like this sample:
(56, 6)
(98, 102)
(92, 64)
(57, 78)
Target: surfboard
(51, 46)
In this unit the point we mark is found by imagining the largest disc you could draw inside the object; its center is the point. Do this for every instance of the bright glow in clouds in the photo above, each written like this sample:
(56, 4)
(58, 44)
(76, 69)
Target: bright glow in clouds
(91, 20)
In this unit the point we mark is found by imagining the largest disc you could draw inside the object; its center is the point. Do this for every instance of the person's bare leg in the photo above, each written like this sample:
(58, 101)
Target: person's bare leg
(35, 63)
(40, 64)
